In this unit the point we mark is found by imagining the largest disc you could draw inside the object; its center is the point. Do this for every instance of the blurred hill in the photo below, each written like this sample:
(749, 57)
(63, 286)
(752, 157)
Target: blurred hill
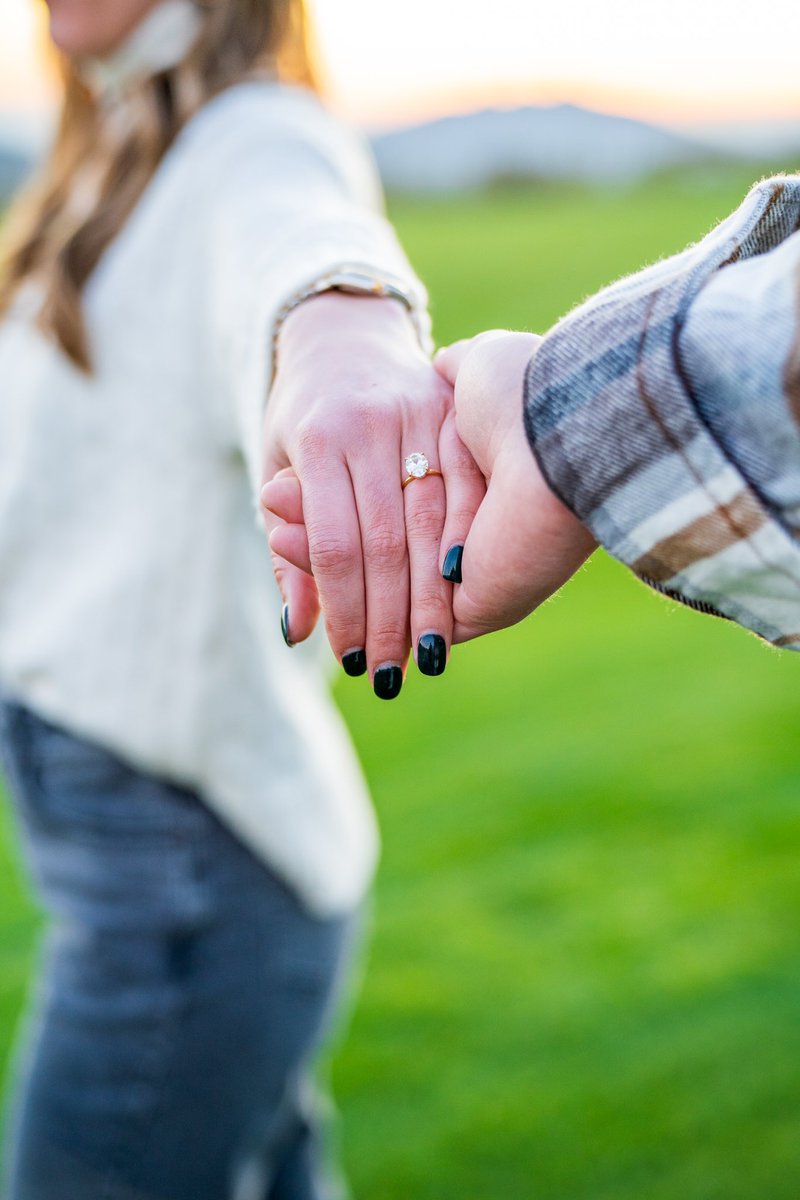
(562, 142)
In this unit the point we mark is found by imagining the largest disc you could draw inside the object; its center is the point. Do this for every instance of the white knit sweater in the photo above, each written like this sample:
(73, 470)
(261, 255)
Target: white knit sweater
(137, 605)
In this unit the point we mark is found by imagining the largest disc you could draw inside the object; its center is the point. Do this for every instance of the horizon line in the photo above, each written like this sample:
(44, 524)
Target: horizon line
(653, 109)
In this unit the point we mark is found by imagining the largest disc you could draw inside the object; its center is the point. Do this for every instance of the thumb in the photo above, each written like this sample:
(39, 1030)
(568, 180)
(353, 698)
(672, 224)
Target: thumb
(448, 360)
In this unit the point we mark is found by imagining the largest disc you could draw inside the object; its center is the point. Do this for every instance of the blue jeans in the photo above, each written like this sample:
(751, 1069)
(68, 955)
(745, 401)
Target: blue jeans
(182, 993)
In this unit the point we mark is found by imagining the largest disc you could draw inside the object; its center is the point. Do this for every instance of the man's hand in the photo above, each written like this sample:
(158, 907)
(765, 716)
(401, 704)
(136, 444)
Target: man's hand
(523, 544)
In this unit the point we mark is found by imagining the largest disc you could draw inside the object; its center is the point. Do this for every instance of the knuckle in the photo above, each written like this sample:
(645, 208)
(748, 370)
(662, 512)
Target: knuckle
(429, 599)
(315, 442)
(425, 525)
(389, 634)
(309, 436)
(384, 544)
(343, 631)
(332, 557)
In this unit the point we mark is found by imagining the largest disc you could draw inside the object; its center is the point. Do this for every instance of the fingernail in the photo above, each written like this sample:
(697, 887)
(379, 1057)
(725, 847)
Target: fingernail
(451, 571)
(431, 654)
(285, 626)
(355, 663)
(387, 682)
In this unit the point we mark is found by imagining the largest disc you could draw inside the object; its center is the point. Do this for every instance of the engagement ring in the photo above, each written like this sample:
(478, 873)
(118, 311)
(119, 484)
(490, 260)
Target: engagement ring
(418, 467)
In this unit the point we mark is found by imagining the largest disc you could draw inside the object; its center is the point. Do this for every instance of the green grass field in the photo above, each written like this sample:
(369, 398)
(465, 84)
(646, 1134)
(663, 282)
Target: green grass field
(584, 980)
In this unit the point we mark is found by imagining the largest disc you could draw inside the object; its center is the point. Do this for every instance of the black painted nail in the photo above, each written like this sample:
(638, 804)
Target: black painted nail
(431, 654)
(451, 571)
(355, 663)
(285, 626)
(387, 682)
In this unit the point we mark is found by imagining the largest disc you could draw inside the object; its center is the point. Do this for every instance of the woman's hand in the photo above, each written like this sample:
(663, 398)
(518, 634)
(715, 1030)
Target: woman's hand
(524, 543)
(353, 396)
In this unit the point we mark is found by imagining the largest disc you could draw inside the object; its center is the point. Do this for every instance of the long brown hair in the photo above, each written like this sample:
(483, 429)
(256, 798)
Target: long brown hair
(102, 161)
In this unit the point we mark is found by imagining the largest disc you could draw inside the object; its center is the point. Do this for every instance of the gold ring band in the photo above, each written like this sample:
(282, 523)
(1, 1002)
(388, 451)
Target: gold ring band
(410, 478)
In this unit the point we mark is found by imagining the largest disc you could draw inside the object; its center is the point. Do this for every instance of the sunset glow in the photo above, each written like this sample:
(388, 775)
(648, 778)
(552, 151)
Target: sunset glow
(678, 61)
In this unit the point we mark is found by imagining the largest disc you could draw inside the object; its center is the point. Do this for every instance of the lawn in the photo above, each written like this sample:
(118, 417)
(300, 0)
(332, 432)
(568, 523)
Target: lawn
(584, 978)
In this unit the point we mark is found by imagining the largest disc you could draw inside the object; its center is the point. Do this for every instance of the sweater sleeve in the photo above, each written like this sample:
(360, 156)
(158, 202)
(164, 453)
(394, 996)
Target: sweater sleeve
(292, 196)
(664, 412)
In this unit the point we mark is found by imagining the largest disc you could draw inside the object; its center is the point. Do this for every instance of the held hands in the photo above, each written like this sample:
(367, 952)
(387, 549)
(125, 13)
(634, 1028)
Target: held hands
(349, 403)
(353, 396)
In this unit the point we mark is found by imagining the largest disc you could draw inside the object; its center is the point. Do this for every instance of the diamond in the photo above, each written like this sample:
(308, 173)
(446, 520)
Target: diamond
(417, 465)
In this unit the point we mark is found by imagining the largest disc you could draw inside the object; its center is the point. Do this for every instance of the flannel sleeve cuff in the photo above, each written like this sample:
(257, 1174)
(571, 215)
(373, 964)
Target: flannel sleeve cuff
(617, 433)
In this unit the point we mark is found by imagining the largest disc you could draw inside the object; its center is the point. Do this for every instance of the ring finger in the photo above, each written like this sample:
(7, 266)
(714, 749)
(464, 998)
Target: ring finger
(431, 595)
(386, 577)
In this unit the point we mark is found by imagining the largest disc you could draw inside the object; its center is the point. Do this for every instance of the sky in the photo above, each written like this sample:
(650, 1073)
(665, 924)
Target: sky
(387, 64)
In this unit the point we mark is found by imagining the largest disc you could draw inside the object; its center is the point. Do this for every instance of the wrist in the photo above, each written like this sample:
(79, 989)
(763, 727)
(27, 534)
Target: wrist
(332, 320)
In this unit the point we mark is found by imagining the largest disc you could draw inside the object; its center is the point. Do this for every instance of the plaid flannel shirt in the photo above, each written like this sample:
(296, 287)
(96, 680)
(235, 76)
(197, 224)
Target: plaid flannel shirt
(665, 412)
